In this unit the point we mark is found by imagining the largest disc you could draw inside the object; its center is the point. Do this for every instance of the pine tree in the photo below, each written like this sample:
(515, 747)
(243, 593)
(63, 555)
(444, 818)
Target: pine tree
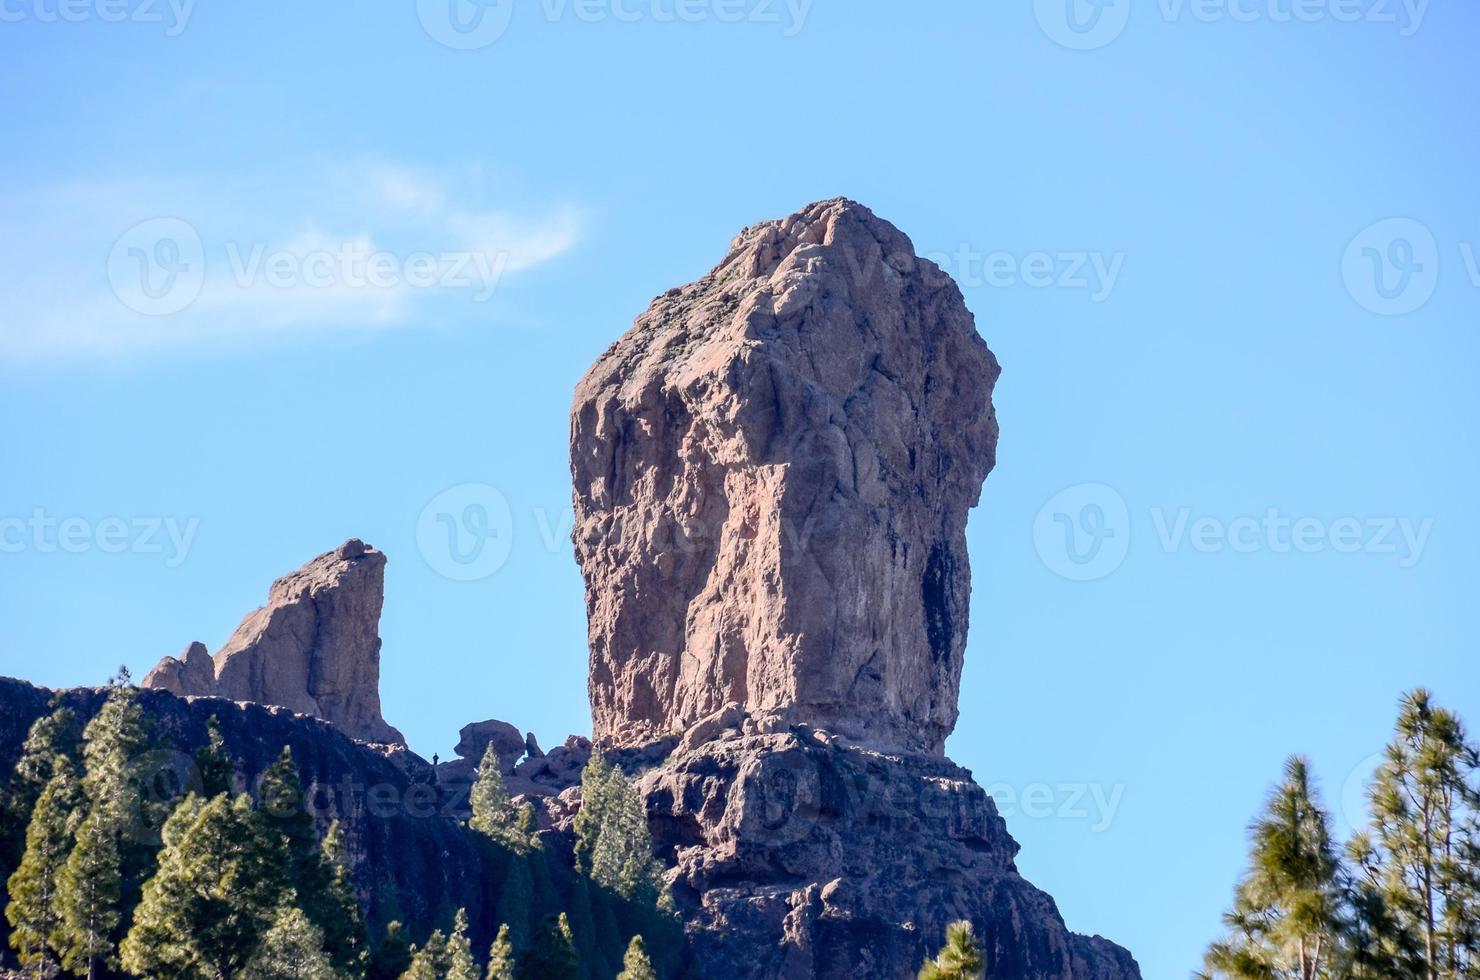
(217, 770)
(1425, 841)
(1286, 918)
(392, 956)
(636, 965)
(34, 911)
(430, 961)
(51, 736)
(292, 949)
(613, 843)
(333, 908)
(113, 852)
(516, 900)
(282, 810)
(220, 883)
(91, 890)
(501, 956)
(553, 954)
(494, 813)
(960, 958)
(460, 963)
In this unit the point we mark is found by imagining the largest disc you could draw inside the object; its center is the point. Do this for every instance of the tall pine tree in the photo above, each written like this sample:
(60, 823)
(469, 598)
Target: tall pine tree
(613, 843)
(1424, 847)
(960, 958)
(635, 964)
(553, 953)
(220, 884)
(114, 850)
(34, 911)
(1286, 921)
(291, 949)
(501, 956)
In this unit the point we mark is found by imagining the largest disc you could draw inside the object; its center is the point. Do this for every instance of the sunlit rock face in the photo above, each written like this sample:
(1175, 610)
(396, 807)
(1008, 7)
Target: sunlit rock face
(773, 470)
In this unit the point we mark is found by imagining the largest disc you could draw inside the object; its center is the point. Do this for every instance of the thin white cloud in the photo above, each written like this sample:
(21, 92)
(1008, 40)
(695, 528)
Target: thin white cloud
(108, 267)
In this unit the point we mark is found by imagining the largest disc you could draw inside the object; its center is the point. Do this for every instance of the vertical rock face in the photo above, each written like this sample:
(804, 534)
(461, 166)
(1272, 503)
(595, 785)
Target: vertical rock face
(314, 648)
(772, 473)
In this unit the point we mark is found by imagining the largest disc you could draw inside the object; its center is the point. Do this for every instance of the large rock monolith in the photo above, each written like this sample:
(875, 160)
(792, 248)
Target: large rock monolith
(773, 470)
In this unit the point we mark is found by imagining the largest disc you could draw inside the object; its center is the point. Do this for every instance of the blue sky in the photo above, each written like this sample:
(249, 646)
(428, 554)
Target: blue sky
(1225, 253)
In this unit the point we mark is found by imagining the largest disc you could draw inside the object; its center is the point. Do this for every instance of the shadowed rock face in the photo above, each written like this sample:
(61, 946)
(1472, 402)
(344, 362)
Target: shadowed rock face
(314, 648)
(772, 473)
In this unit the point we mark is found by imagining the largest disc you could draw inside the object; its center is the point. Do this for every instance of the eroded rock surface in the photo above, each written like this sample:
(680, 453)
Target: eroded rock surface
(314, 648)
(772, 472)
(796, 856)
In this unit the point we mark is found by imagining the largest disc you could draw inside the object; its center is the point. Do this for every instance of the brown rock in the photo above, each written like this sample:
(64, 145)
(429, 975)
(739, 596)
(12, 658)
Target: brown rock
(772, 474)
(314, 648)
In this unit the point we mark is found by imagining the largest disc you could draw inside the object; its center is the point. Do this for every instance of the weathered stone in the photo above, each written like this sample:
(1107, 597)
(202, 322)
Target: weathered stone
(795, 859)
(772, 474)
(314, 648)
(473, 740)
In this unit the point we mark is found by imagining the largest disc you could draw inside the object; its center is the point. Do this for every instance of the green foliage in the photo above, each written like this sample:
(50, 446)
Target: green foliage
(553, 953)
(292, 949)
(961, 958)
(428, 962)
(220, 883)
(636, 965)
(1286, 916)
(392, 956)
(501, 956)
(494, 813)
(1404, 904)
(516, 901)
(34, 911)
(330, 903)
(216, 768)
(613, 843)
(113, 852)
(445, 957)
(1424, 846)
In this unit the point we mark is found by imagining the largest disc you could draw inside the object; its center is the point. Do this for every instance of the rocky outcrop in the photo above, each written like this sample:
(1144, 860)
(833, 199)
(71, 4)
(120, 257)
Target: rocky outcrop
(314, 648)
(772, 474)
(797, 856)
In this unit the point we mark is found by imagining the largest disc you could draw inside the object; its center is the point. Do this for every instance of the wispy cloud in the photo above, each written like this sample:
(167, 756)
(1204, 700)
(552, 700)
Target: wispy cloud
(109, 266)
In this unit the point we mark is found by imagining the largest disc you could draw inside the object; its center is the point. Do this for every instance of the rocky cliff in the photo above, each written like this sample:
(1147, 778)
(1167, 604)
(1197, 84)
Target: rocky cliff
(772, 472)
(314, 648)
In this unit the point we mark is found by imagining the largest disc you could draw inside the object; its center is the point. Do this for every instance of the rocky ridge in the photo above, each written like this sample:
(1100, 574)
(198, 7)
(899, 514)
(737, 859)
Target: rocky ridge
(313, 648)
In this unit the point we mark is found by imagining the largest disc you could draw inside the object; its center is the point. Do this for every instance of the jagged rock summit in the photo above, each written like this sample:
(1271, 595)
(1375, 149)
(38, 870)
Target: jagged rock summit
(772, 471)
(314, 648)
